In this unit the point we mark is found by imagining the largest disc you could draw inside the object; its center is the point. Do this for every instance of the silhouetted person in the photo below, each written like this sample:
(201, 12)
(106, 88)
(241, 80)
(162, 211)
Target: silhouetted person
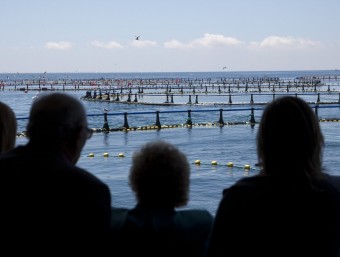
(8, 128)
(291, 208)
(49, 206)
(160, 178)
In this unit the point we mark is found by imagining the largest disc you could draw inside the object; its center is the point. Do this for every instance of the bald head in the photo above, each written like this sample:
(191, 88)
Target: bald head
(55, 117)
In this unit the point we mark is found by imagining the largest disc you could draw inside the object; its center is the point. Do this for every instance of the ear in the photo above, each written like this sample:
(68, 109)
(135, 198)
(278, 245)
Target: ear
(80, 137)
(73, 145)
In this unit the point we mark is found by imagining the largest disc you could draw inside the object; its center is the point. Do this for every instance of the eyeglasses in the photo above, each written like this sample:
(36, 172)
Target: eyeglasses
(89, 132)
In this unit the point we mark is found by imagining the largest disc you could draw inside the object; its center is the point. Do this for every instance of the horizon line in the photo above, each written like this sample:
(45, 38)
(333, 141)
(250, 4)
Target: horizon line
(222, 71)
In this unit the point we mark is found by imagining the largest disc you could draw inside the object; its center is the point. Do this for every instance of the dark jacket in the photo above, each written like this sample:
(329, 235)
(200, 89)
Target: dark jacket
(160, 232)
(48, 204)
(273, 216)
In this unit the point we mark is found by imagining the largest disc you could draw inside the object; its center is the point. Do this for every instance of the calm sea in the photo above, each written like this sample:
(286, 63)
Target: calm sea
(207, 143)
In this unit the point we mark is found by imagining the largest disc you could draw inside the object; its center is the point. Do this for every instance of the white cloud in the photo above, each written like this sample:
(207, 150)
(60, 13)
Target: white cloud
(207, 41)
(62, 45)
(142, 43)
(210, 40)
(109, 45)
(174, 44)
(285, 42)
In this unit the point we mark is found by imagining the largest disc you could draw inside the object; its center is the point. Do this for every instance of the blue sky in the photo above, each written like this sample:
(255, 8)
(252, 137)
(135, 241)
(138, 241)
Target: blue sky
(175, 35)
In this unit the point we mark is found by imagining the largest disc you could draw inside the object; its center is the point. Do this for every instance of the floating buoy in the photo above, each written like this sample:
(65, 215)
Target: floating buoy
(106, 154)
(91, 155)
(197, 162)
(214, 163)
(230, 164)
(247, 167)
(121, 155)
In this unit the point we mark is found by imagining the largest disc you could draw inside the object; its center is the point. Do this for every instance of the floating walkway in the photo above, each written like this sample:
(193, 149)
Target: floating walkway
(240, 98)
(43, 83)
(120, 98)
(245, 116)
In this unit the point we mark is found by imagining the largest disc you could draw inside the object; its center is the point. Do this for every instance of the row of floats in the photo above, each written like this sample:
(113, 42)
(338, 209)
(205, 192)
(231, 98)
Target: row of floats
(196, 162)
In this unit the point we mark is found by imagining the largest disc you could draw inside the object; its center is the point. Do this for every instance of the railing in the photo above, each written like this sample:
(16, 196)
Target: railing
(151, 120)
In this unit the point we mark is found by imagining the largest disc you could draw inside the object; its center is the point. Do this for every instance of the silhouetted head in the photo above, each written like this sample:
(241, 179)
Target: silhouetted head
(8, 128)
(58, 121)
(160, 175)
(289, 139)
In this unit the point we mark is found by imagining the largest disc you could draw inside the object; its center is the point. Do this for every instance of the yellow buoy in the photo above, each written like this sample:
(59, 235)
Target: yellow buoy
(121, 155)
(91, 155)
(230, 164)
(106, 154)
(197, 162)
(247, 167)
(214, 163)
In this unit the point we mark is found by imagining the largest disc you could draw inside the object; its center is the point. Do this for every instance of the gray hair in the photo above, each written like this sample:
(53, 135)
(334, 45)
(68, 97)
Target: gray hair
(54, 117)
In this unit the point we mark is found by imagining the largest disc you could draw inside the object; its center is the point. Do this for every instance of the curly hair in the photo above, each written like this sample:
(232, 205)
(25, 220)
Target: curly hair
(160, 175)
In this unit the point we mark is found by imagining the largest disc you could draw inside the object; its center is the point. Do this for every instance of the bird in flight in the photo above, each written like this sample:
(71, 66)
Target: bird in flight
(137, 37)
(224, 67)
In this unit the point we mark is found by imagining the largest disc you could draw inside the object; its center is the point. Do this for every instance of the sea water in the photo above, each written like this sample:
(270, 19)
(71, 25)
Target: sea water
(208, 143)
